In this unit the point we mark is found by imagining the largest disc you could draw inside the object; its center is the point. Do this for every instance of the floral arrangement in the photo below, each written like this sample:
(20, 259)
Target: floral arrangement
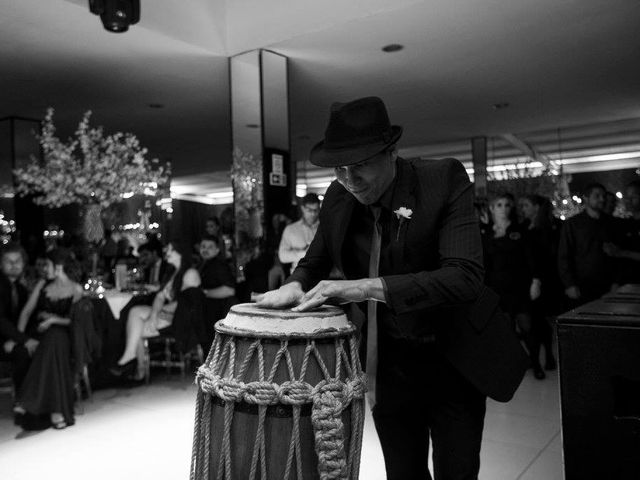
(90, 169)
(246, 178)
(248, 202)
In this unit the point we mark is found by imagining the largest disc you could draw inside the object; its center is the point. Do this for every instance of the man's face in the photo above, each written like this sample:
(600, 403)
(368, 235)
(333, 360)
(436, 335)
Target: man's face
(527, 208)
(147, 258)
(12, 264)
(310, 213)
(632, 199)
(368, 180)
(211, 227)
(595, 199)
(208, 249)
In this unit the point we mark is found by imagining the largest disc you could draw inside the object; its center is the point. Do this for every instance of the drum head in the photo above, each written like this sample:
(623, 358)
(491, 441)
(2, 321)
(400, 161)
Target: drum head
(249, 320)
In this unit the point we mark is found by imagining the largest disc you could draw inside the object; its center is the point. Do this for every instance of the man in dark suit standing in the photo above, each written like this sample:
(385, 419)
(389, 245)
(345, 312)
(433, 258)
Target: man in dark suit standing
(404, 235)
(14, 344)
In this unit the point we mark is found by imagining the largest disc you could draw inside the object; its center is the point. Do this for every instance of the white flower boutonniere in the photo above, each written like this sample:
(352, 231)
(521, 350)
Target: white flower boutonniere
(403, 214)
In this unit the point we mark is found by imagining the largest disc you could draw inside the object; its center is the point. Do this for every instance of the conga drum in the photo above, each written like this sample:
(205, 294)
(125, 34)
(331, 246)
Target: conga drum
(281, 396)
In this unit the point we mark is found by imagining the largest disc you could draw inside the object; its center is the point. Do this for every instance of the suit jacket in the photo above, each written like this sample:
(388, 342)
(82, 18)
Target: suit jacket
(8, 316)
(163, 275)
(437, 275)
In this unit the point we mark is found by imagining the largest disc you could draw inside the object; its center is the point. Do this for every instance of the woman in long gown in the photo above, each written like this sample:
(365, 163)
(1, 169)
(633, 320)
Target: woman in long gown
(48, 385)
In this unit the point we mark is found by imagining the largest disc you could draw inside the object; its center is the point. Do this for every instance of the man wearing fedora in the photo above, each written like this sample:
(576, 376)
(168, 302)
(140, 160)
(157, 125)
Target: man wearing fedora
(404, 235)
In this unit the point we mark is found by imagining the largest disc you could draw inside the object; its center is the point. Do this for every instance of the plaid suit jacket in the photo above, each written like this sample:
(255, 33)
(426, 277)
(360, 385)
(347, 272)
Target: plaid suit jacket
(436, 259)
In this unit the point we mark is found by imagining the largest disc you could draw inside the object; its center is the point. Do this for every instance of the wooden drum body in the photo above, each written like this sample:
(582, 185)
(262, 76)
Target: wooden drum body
(281, 396)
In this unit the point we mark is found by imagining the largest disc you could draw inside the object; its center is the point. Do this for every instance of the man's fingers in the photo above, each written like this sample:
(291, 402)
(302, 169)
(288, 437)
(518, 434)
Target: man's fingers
(257, 297)
(311, 293)
(310, 304)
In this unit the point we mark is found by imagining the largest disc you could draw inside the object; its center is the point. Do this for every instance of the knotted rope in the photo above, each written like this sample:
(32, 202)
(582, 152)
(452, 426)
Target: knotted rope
(328, 399)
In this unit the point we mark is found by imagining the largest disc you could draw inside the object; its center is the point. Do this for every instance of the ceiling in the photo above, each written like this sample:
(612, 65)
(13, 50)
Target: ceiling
(570, 65)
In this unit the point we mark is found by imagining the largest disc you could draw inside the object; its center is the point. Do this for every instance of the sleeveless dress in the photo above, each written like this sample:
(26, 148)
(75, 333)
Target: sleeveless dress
(48, 386)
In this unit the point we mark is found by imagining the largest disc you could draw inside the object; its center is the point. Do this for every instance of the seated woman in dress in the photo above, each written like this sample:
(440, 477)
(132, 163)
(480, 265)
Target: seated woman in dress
(145, 321)
(48, 385)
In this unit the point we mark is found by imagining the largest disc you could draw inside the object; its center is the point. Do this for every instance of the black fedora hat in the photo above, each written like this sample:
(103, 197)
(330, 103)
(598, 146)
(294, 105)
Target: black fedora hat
(357, 131)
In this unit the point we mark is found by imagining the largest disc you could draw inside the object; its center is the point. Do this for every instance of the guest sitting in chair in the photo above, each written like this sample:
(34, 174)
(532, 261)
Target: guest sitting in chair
(48, 384)
(14, 344)
(156, 270)
(146, 321)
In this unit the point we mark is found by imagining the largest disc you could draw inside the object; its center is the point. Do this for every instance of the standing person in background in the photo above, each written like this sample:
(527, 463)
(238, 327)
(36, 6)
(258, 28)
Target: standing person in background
(585, 269)
(508, 264)
(212, 228)
(15, 345)
(298, 235)
(610, 203)
(404, 235)
(626, 249)
(543, 235)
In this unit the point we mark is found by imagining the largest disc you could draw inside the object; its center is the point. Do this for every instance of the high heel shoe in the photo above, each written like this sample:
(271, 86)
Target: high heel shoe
(58, 422)
(538, 373)
(125, 369)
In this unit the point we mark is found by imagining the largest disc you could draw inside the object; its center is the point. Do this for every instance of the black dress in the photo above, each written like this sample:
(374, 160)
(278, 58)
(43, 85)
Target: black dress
(508, 267)
(48, 385)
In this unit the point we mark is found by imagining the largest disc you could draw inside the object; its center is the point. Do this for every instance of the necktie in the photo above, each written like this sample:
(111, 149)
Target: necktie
(372, 323)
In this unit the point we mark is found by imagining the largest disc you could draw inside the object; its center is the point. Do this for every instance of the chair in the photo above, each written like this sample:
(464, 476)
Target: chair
(181, 341)
(169, 356)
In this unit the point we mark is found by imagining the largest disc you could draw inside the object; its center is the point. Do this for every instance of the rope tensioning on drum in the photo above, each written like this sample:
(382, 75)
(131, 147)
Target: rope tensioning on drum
(329, 398)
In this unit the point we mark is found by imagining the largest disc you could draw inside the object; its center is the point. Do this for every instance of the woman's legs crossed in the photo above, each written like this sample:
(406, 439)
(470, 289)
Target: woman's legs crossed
(138, 315)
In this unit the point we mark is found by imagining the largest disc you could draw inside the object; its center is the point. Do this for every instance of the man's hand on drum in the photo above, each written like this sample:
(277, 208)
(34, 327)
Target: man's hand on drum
(285, 296)
(341, 291)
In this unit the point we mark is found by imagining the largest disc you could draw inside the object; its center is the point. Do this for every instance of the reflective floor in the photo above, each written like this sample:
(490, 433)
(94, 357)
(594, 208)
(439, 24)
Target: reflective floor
(146, 433)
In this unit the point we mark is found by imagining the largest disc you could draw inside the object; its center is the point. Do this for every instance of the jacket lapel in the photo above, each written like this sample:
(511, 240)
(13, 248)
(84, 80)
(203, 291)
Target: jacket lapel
(404, 195)
(340, 213)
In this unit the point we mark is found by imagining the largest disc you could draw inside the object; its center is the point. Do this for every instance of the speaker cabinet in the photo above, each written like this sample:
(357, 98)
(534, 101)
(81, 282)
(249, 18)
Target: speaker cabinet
(599, 353)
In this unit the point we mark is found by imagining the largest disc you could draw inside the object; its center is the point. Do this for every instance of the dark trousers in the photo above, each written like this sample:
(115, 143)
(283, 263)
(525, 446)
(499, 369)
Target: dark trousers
(20, 361)
(421, 394)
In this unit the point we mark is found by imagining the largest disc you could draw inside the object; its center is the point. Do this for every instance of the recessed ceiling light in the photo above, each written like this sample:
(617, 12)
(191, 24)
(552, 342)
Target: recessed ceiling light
(156, 105)
(392, 47)
(500, 106)
(252, 125)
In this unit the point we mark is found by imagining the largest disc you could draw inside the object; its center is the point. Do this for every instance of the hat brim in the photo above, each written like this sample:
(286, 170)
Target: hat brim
(339, 157)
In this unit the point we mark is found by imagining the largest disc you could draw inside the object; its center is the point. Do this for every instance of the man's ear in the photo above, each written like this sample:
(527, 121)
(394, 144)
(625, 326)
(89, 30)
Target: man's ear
(394, 153)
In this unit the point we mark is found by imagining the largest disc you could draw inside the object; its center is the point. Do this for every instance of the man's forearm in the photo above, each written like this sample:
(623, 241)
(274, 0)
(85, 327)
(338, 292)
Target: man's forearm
(376, 289)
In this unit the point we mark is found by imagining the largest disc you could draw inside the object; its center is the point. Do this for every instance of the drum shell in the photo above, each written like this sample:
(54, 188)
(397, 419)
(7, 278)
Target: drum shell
(279, 421)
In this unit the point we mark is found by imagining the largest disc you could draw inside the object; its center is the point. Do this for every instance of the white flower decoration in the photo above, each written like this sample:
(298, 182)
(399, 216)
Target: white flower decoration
(403, 212)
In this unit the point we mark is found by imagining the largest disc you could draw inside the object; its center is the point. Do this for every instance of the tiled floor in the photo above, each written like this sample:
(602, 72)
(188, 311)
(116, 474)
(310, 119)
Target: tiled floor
(146, 433)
